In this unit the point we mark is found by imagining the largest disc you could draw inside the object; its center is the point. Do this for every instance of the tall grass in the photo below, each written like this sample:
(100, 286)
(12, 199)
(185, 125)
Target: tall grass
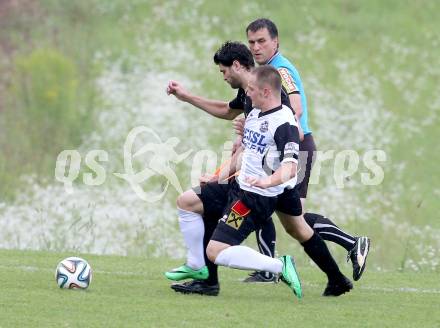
(44, 115)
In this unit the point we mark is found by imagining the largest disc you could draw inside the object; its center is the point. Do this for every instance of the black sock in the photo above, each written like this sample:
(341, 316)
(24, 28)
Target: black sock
(317, 250)
(329, 231)
(210, 225)
(266, 239)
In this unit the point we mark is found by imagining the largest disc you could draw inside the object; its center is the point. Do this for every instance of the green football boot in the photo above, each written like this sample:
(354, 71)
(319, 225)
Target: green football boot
(185, 272)
(290, 276)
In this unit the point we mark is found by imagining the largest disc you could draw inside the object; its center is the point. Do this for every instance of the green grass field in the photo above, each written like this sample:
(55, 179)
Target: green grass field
(132, 292)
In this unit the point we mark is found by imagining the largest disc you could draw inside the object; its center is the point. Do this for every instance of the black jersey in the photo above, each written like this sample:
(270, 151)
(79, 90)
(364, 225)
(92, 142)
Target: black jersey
(244, 103)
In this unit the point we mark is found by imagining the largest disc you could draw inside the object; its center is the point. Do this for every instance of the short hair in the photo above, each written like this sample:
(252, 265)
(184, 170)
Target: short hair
(234, 50)
(260, 23)
(268, 75)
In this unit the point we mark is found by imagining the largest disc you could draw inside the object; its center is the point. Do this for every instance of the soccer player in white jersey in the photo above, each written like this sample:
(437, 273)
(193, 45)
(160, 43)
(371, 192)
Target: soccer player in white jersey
(268, 166)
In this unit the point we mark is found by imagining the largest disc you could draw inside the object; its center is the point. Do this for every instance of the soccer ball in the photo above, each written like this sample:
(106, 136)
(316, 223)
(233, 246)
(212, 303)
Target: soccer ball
(73, 272)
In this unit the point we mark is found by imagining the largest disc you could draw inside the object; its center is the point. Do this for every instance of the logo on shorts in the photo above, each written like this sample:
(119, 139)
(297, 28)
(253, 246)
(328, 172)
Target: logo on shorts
(264, 127)
(234, 220)
(237, 214)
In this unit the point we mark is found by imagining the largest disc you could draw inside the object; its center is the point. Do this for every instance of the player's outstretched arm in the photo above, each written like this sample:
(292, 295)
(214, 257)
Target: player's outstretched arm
(216, 108)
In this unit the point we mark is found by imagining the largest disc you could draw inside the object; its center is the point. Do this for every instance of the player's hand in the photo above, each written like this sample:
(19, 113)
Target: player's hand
(237, 144)
(204, 179)
(255, 182)
(238, 125)
(176, 89)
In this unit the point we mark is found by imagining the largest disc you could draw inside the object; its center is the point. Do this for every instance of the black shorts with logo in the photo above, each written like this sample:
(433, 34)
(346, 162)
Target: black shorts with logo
(245, 213)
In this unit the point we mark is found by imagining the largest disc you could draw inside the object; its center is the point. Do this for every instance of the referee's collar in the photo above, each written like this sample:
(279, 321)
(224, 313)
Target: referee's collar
(270, 111)
(271, 58)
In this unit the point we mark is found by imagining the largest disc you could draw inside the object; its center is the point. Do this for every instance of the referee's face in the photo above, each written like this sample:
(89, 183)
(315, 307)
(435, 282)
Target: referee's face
(262, 46)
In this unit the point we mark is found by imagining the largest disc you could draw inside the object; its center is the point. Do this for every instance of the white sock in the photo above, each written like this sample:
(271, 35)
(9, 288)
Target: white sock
(193, 230)
(246, 258)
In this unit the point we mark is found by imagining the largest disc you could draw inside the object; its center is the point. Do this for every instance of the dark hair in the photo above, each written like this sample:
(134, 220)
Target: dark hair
(267, 74)
(260, 23)
(234, 50)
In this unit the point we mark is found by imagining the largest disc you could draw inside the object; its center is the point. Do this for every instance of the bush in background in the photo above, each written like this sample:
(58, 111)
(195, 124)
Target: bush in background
(43, 116)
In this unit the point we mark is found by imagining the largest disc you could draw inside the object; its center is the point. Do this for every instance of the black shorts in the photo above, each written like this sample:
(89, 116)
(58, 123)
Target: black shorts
(307, 155)
(214, 197)
(245, 213)
(289, 202)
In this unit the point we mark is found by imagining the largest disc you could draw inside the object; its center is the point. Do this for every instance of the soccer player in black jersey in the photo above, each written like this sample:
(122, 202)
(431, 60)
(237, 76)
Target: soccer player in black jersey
(235, 63)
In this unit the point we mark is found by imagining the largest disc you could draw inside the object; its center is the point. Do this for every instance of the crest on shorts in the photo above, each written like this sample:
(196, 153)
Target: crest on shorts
(264, 127)
(237, 214)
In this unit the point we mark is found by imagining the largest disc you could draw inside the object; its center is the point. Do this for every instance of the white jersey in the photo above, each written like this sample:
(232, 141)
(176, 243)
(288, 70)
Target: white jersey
(269, 139)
